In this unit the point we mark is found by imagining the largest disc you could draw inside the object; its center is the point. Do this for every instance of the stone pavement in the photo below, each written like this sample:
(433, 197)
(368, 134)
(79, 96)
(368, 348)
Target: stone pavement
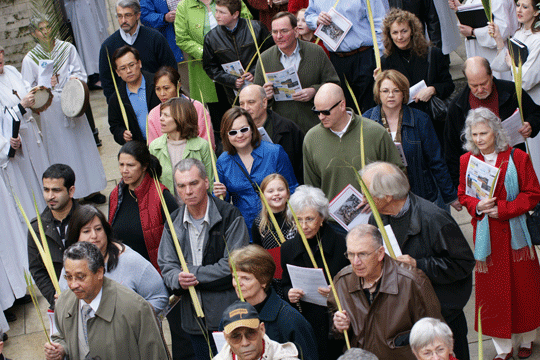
(26, 337)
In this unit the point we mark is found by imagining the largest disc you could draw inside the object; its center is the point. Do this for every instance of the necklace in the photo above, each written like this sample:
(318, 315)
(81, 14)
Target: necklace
(132, 195)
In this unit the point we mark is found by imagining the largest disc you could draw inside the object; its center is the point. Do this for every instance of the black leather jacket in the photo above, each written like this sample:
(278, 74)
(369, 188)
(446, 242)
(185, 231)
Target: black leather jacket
(222, 46)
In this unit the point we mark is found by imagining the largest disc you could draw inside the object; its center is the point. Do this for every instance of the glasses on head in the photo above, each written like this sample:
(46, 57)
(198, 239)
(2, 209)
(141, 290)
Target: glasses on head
(250, 334)
(242, 130)
(125, 16)
(307, 221)
(387, 91)
(129, 66)
(76, 277)
(363, 256)
(325, 112)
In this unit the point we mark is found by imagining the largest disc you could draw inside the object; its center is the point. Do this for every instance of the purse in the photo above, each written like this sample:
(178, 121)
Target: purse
(532, 221)
(438, 109)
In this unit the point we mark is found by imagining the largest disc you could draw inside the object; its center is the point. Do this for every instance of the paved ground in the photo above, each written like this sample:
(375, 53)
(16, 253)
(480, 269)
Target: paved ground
(26, 338)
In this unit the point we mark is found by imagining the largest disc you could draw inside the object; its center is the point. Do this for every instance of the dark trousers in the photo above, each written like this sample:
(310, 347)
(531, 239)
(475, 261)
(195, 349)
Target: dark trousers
(458, 324)
(200, 346)
(181, 343)
(358, 69)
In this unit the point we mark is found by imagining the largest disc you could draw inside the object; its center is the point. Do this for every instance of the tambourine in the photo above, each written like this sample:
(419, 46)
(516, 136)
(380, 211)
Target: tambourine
(75, 98)
(43, 97)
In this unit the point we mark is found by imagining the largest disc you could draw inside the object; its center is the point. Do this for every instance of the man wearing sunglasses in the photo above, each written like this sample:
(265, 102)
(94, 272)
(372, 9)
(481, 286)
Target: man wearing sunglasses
(246, 338)
(332, 151)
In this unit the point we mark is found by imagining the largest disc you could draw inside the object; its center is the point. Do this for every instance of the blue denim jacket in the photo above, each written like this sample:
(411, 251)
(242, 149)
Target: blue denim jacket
(426, 167)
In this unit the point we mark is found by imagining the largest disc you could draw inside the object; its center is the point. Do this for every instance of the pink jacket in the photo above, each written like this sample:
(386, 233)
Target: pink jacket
(154, 126)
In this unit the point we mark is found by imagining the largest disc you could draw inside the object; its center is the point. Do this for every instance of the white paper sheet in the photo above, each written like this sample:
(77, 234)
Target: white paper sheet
(46, 68)
(393, 242)
(219, 339)
(512, 124)
(333, 34)
(309, 280)
(415, 89)
(344, 208)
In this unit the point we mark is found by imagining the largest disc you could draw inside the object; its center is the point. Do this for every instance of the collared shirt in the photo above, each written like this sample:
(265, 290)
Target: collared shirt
(356, 11)
(138, 102)
(130, 39)
(196, 235)
(61, 226)
(342, 132)
(404, 209)
(292, 60)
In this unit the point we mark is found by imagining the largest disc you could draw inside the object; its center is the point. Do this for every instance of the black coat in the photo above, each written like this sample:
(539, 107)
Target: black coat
(457, 112)
(116, 121)
(427, 14)
(436, 242)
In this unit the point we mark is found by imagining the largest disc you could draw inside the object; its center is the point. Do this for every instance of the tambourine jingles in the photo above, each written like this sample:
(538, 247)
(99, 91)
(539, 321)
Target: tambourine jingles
(75, 98)
(43, 97)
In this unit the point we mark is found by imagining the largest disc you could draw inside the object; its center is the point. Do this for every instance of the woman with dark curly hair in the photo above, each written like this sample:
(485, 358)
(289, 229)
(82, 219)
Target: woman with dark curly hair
(407, 51)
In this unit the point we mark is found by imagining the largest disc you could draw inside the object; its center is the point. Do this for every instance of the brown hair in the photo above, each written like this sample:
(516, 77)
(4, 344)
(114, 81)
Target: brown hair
(226, 125)
(255, 260)
(282, 14)
(232, 5)
(185, 116)
(397, 78)
(264, 226)
(419, 44)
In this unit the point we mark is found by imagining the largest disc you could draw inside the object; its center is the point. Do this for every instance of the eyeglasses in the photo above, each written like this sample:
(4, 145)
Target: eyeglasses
(125, 16)
(307, 221)
(362, 256)
(76, 277)
(129, 66)
(325, 112)
(387, 91)
(428, 354)
(250, 334)
(242, 130)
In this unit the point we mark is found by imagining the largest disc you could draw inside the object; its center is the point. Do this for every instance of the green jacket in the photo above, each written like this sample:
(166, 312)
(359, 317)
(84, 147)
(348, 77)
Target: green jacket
(328, 158)
(189, 30)
(196, 148)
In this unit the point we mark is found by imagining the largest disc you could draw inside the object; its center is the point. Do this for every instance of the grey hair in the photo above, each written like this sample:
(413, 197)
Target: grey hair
(83, 250)
(308, 197)
(387, 180)
(358, 354)
(133, 4)
(427, 330)
(365, 230)
(36, 20)
(485, 116)
(188, 163)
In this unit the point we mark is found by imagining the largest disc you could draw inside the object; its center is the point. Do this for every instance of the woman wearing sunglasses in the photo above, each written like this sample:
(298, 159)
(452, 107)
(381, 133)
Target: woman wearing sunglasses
(246, 161)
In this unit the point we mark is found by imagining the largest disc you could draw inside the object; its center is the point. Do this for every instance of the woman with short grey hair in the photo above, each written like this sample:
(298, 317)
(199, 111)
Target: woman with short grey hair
(503, 251)
(431, 336)
(311, 208)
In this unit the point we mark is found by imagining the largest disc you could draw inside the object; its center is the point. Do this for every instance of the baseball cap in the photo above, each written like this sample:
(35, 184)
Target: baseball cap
(240, 314)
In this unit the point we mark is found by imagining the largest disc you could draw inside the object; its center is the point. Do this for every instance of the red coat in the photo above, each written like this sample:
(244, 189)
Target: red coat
(295, 5)
(266, 13)
(509, 292)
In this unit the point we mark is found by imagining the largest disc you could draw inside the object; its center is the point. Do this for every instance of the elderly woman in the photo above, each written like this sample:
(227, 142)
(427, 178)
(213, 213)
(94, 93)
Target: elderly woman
(122, 264)
(407, 51)
(503, 250)
(246, 161)
(430, 336)
(167, 85)
(412, 130)
(311, 208)
(255, 269)
(179, 140)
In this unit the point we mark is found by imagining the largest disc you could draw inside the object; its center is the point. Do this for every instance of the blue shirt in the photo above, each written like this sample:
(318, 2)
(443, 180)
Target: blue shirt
(138, 102)
(267, 159)
(356, 12)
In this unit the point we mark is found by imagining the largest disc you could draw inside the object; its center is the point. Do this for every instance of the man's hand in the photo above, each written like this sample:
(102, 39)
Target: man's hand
(407, 260)
(324, 18)
(465, 30)
(54, 80)
(127, 136)
(341, 321)
(295, 295)
(29, 100)
(456, 205)
(304, 95)
(454, 4)
(525, 130)
(269, 89)
(187, 279)
(54, 351)
(15, 143)
(169, 17)
(247, 76)
(324, 291)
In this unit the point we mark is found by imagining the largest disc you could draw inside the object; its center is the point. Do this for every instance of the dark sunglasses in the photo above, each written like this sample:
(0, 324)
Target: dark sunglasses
(242, 130)
(325, 112)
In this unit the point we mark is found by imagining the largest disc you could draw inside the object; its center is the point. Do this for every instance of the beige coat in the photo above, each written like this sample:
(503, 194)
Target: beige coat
(124, 327)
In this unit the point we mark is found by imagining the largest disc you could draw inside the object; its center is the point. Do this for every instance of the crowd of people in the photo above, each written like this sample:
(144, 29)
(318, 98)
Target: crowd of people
(227, 191)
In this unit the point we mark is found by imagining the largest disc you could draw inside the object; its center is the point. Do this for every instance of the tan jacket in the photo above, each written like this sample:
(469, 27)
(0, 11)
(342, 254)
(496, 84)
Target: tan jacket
(405, 296)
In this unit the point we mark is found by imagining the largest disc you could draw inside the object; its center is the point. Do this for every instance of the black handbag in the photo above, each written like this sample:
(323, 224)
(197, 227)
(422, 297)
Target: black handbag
(532, 221)
(438, 109)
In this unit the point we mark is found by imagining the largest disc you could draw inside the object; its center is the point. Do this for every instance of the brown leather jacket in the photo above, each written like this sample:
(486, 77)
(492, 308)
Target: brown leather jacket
(405, 296)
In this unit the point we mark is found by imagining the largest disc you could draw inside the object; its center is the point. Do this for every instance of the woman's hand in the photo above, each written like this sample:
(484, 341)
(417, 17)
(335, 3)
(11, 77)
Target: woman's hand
(376, 72)
(15, 143)
(219, 189)
(29, 100)
(493, 212)
(127, 136)
(486, 204)
(324, 291)
(454, 4)
(456, 205)
(54, 80)
(295, 295)
(304, 95)
(508, 59)
(466, 30)
(170, 16)
(341, 321)
(425, 94)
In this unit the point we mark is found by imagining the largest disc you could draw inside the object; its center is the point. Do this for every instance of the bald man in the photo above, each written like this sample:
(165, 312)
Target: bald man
(484, 90)
(333, 146)
(280, 130)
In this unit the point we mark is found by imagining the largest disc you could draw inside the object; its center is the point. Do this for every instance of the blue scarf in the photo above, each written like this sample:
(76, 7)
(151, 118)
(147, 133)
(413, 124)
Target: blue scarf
(520, 238)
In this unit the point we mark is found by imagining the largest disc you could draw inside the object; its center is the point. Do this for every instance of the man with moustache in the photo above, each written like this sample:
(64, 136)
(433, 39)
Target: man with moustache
(58, 189)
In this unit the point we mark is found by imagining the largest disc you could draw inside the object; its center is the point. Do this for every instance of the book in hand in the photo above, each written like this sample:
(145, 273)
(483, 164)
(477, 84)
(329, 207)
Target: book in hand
(518, 51)
(472, 15)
